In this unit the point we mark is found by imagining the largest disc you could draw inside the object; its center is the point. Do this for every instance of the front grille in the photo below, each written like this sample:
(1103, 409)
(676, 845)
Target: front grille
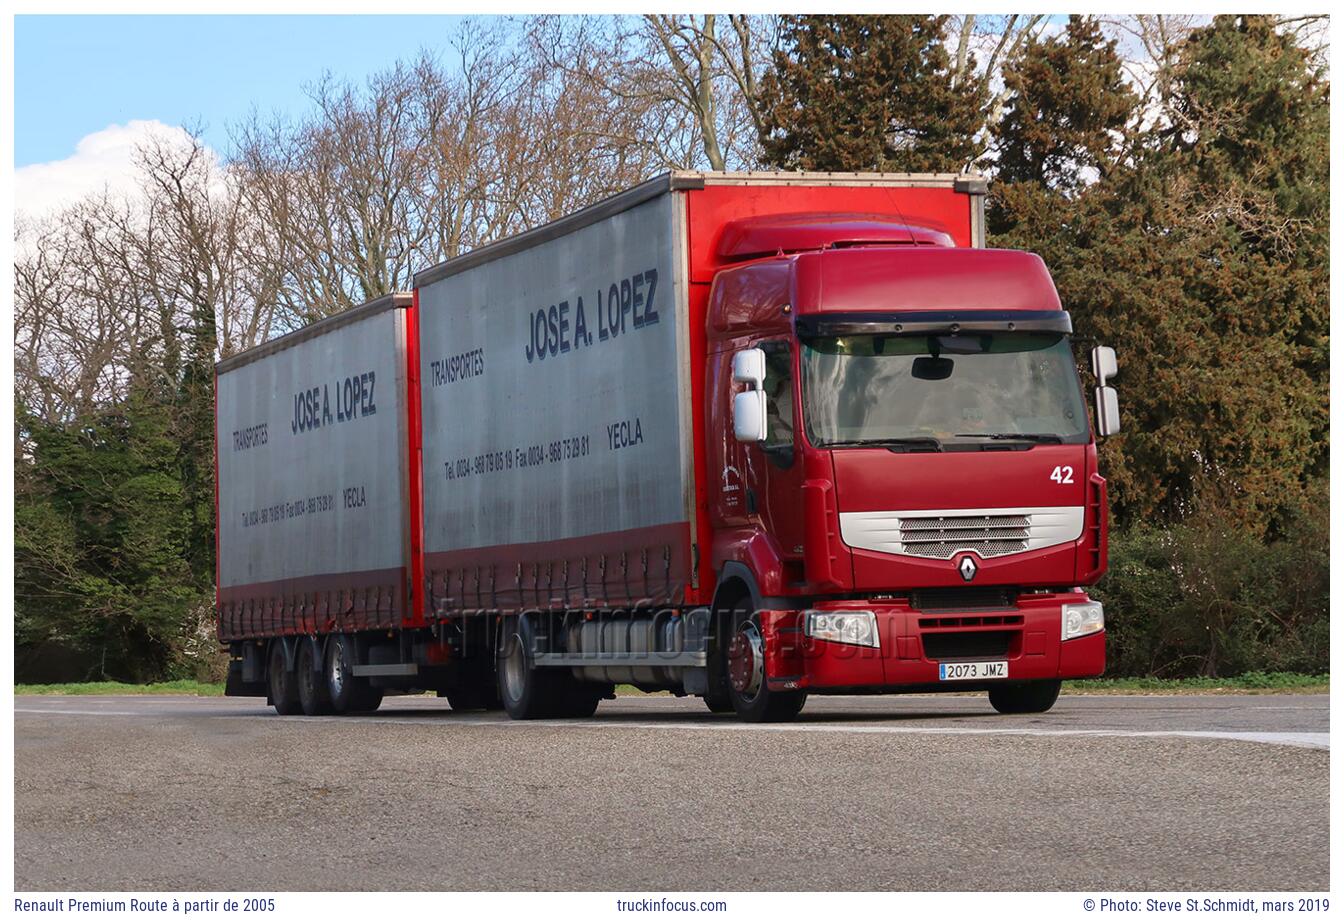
(967, 622)
(981, 644)
(941, 534)
(958, 599)
(942, 537)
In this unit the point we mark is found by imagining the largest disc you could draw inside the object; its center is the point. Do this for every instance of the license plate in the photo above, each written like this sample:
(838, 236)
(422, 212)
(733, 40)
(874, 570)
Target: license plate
(972, 670)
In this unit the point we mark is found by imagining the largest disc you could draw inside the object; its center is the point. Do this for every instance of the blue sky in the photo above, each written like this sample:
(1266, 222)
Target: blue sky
(76, 75)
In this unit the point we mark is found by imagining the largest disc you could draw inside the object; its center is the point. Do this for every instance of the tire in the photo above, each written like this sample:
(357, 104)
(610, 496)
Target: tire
(528, 692)
(578, 700)
(1037, 696)
(718, 697)
(347, 693)
(525, 691)
(313, 696)
(751, 696)
(282, 690)
(474, 698)
(718, 702)
(370, 699)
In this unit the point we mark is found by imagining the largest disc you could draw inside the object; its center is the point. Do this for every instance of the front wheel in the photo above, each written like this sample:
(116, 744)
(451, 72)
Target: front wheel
(748, 689)
(716, 701)
(1037, 696)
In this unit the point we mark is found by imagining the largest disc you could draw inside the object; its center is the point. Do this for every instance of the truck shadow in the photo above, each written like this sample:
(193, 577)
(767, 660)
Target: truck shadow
(643, 716)
(682, 717)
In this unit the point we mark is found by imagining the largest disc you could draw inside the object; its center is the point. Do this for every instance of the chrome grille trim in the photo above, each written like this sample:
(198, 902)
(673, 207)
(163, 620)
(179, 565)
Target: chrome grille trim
(988, 520)
(987, 532)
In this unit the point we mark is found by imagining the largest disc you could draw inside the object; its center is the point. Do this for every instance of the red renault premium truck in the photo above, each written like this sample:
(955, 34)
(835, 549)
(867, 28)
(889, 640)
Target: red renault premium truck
(743, 436)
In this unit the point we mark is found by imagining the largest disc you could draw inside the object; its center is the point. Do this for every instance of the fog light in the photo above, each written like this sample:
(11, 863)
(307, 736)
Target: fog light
(852, 627)
(1081, 620)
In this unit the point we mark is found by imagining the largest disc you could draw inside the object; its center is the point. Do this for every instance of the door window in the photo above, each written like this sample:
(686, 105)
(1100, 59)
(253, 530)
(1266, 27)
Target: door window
(778, 394)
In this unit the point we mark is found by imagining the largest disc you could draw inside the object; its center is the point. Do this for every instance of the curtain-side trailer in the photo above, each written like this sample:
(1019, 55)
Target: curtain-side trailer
(313, 536)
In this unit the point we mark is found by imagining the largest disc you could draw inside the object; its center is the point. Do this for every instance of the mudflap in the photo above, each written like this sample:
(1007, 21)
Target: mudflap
(239, 668)
(781, 634)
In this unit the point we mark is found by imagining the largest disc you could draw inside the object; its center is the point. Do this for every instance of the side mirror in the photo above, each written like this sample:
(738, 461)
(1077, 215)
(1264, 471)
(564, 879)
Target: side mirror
(749, 367)
(749, 415)
(1107, 403)
(1108, 412)
(749, 407)
(1103, 364)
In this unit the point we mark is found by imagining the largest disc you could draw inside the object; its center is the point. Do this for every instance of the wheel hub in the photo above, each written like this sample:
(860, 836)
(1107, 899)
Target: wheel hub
(336, 678)
(746, 664)
(515, 666)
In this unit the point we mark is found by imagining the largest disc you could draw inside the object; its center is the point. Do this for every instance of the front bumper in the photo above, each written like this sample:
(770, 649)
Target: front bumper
(914, 642)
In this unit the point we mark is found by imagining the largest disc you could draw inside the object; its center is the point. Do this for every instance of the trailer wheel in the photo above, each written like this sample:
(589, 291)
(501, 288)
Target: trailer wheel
(747, 688)
(280, 684)
(371, 699)
(526, 692)
(347, 692)
(1037, 696)
(313, 696)
(468, 699)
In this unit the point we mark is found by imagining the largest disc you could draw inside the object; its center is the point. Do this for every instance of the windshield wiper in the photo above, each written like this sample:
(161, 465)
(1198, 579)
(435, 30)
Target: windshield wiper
(893, 443)
(1014, 436)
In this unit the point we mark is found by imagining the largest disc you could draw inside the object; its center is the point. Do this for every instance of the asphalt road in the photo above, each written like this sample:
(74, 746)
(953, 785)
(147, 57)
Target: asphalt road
(652, 795)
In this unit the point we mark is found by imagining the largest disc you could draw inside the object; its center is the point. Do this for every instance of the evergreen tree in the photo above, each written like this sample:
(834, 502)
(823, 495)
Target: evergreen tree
(1203, 261)
(194, 424)
(101, 531)
(1067, 103)
(1251, 140)
(867, 93)
(1252, 120)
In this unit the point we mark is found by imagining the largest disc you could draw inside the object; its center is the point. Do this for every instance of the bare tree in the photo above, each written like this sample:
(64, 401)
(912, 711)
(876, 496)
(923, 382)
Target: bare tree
(335, 193)
(203, 267)
(114, 287)
(686, 83)
(1150, 46)
(78, 307)
(983, 45)
(462, 163)
(426, 160)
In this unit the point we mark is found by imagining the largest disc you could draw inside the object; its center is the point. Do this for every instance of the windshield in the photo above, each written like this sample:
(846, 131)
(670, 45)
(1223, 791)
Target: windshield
(874, 388)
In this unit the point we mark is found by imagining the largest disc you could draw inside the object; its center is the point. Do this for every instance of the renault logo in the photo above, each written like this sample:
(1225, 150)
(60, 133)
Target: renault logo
(967, 568)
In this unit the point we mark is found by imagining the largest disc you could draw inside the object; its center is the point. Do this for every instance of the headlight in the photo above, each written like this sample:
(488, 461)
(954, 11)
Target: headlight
(1081, 620)
(852, 627)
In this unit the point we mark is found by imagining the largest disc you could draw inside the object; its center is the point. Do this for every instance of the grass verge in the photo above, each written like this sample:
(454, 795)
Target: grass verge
(113, 688)
(1253, 682)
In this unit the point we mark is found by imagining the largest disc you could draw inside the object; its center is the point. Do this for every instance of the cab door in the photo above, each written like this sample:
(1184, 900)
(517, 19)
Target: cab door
(777, 463)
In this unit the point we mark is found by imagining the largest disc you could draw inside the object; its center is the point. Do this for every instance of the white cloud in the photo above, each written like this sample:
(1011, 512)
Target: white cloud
(105, 159)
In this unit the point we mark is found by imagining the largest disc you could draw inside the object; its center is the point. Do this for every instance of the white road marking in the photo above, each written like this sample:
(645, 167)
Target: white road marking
(1292, 739)
(1317, 740)
(81, 712)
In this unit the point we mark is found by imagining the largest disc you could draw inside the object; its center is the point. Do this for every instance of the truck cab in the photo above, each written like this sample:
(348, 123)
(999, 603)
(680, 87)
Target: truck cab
(907, 494)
